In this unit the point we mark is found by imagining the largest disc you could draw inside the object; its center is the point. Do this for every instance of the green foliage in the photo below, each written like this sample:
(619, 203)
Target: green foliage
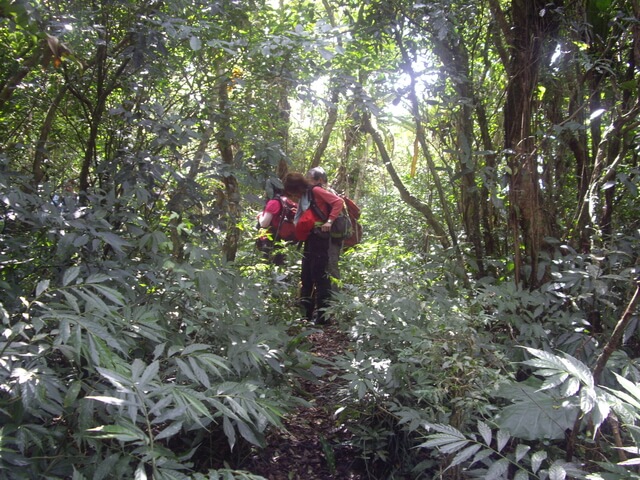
(425, 354)
(538, 419)
(130, 349)
(418, 357)
(122, 361)
(495, 457)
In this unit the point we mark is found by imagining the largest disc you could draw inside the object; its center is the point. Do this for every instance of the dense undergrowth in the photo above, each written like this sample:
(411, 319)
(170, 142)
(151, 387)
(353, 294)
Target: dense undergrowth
(117, 361)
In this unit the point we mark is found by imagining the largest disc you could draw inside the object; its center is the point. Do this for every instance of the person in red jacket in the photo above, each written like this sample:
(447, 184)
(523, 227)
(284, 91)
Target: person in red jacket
(318, 177)
(315, 260)
(276, 218)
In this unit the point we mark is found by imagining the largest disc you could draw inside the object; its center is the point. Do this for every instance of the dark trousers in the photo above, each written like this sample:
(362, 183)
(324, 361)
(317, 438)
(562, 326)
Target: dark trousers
(315, 277)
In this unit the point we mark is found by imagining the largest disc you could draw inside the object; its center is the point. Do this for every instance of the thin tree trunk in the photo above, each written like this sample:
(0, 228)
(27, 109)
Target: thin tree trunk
(332, 118)
(455, 60)
(609, 348)
(224, 138)
(103, 90)
(41, 146)
(177, 200)
(424, 209)
(609, 155)
(10, 85)
(284, 110)
(488, 215)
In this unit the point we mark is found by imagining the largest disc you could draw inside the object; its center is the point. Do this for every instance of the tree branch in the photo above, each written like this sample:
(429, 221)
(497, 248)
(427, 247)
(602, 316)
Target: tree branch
(423, 208)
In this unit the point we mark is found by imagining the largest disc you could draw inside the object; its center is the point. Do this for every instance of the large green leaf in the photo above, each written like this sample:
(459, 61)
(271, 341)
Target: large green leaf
(537, 415)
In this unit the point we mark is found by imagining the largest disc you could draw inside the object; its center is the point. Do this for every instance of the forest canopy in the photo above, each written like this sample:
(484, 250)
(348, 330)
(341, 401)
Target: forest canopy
(493, 147)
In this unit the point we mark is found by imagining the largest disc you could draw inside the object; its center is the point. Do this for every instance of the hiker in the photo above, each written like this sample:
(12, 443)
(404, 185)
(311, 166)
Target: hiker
(317, 237)
(277, 219)
(318, 177)
(68, 198)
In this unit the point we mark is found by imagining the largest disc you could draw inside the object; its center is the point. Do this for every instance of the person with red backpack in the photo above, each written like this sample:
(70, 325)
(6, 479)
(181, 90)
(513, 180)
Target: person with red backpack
(276, 220)
(315, 232)
(318, 177)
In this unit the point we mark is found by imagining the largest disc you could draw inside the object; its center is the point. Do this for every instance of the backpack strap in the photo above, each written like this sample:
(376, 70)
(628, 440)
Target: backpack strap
(316, 209)
(280, 214)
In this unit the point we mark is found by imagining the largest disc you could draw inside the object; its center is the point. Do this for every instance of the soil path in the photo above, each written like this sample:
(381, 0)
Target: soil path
(313, 445)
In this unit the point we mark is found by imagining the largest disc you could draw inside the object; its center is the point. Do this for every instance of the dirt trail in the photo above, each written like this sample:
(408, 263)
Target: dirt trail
(312, 446)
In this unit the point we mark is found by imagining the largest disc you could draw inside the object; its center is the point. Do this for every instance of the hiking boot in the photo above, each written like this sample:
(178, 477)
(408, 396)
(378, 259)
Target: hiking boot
(307, 308)
(321, 319)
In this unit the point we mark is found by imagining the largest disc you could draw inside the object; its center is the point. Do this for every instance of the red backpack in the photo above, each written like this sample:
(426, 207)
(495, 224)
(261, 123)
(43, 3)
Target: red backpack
(353, 211)
(282, 224)
(346, 226)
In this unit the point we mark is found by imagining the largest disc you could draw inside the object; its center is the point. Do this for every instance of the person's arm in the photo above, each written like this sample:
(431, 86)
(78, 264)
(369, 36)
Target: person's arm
(334, 202)
(271, 209)
(264, 219)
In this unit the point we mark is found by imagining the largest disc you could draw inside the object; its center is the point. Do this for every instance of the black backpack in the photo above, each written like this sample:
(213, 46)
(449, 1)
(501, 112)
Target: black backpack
(346, 226)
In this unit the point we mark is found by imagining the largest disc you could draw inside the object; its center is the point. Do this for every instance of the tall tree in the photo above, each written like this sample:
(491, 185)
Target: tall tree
(532, 25)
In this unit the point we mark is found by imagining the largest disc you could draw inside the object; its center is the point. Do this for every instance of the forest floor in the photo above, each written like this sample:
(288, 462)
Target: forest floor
(313, 444)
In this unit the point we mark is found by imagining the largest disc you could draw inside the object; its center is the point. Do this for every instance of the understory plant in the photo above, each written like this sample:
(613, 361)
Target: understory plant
(119, 361)
(487, 384)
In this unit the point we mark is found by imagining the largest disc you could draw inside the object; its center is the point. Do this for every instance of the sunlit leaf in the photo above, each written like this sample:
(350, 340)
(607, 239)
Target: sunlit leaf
(497, 470)
(108, 400)
(521, 475)
(97, 278)
(149, 373)
(42, 286)
(248, 434)
(554, 380)
(557, 472)
(195, 347)
(110, 293)
(485, 431)
(578, 369)
(120, 382)
(137, 367)
(70, 275)
(502, 439)
(632, 388)
(464, 455)
(141, 472)
(521, 451)
(482, 454)
(536, 460)
(539, 416)
(199, 372)
(229, 431)
(571, 387)
(600, 412)
(114, 241)
(170, 431)
(453, 447)
(195, 43)
(118, 432)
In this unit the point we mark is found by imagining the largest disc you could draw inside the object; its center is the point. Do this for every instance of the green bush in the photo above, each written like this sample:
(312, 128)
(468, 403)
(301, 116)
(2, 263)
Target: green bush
(118, 361)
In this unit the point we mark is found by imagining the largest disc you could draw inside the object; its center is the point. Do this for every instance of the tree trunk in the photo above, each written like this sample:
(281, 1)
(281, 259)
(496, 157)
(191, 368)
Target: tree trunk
(455, 61)
(424, 209)
(352, 134)
(332, 117)
(488, 214)
(527, 211)
(609, 155)
(177, 200)
(41, 147)
(10, 85)
(224, 137)
(284, 110)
